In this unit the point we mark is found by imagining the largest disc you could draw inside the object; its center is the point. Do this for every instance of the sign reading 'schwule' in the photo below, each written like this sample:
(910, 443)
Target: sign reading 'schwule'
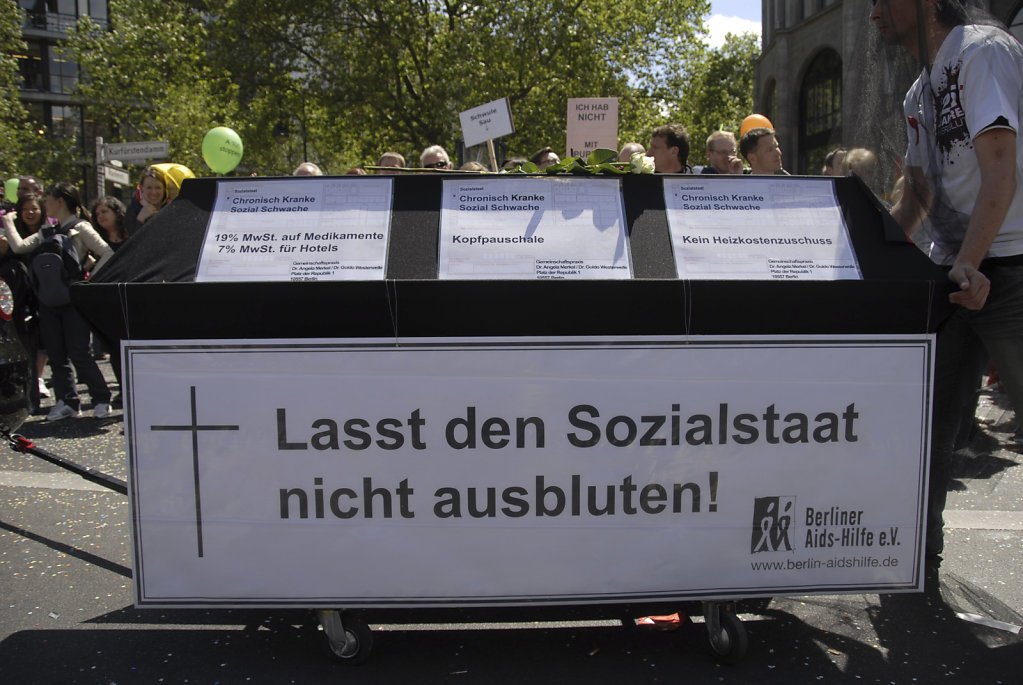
(506, 468)
(486, 122)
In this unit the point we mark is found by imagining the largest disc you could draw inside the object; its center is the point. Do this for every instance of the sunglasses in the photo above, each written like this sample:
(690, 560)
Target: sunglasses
(436, 165)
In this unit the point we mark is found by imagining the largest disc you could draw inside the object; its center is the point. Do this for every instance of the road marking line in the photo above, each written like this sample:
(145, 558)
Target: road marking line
(984, 520)
(54, 481)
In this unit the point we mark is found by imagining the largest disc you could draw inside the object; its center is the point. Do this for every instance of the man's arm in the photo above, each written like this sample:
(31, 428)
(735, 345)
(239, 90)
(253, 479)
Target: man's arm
(996, 159)
(912, 207)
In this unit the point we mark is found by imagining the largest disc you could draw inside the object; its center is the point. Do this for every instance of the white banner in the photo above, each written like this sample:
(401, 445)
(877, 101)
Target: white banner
(758, 228)
(533, 228)
(308, 229)
(520, 471)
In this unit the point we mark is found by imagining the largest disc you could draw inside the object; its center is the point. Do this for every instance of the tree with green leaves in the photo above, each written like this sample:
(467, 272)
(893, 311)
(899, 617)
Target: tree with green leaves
(15, 134)
(721, 93)
(150, 77)
(397, 72)
(341, 82)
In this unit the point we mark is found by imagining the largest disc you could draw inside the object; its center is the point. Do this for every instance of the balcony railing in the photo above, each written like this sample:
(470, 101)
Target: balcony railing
(55, 21)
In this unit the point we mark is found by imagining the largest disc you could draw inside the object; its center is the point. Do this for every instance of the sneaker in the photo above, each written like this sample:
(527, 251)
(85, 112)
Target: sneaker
(43, 390)
(62, 411)
(101, 410)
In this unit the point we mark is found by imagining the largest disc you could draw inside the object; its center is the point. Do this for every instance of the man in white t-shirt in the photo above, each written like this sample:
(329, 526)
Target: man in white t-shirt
(963, 170)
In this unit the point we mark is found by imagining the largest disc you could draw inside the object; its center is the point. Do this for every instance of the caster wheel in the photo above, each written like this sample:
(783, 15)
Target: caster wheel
(731, 642)
(357, 645)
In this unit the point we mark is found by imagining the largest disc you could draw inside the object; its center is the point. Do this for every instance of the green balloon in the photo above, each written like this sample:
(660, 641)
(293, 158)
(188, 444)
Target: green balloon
(222, 149)
(11, 189)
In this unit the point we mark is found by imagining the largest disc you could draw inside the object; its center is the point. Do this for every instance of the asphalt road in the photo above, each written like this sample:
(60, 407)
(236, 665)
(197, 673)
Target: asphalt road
(66, 613)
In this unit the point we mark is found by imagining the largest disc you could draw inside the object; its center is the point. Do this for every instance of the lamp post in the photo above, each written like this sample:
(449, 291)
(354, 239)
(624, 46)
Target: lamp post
(281, 134)
(282, 131)
(295, 77)
(305, 152)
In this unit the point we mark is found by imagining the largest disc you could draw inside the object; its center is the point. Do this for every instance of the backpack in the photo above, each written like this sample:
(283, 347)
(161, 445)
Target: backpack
(55, 266)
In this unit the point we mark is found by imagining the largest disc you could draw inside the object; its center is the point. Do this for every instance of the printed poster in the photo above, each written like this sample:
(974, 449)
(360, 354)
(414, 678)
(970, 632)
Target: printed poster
(309, 229)
(758, 228)
(450, 472)
(533, 228)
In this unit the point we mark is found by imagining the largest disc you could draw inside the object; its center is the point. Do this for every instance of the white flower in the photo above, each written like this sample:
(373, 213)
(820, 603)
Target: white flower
(641, 164)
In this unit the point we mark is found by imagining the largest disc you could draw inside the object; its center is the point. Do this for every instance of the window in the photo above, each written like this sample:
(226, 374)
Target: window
(35, 13)
(820, 110)
(93, 128)
(37, 115)
(44, 69)
(98, 11)
(95, 9)
(61, 15)
(30, 64)
(823, 105)
(63, 72)
(65, 121)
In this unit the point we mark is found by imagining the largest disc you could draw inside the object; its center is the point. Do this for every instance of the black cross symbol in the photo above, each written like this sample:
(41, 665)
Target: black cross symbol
(195, 428)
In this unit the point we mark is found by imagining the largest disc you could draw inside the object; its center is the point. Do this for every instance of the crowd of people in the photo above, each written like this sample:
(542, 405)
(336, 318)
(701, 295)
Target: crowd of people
(669, 146)
(55, 221)
(756, 152)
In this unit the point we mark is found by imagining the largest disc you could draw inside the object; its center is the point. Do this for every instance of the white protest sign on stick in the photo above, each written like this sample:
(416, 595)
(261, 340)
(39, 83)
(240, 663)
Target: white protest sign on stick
(486, 122)
(592, 123)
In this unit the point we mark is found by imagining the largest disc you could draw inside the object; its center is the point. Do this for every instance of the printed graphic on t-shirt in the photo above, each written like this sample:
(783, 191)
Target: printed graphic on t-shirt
(952, 135)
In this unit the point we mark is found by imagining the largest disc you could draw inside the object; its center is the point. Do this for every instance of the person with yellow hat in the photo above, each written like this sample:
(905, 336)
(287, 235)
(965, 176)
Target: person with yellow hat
(158, 185)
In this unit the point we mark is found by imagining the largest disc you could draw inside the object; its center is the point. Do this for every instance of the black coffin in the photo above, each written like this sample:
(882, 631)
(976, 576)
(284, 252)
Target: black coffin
(147, 291)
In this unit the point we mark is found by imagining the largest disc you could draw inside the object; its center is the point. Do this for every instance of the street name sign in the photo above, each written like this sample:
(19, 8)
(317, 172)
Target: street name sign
(136, 152)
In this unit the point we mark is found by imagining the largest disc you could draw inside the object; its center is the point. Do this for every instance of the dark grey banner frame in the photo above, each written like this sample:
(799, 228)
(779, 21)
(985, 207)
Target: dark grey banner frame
(147, 291)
